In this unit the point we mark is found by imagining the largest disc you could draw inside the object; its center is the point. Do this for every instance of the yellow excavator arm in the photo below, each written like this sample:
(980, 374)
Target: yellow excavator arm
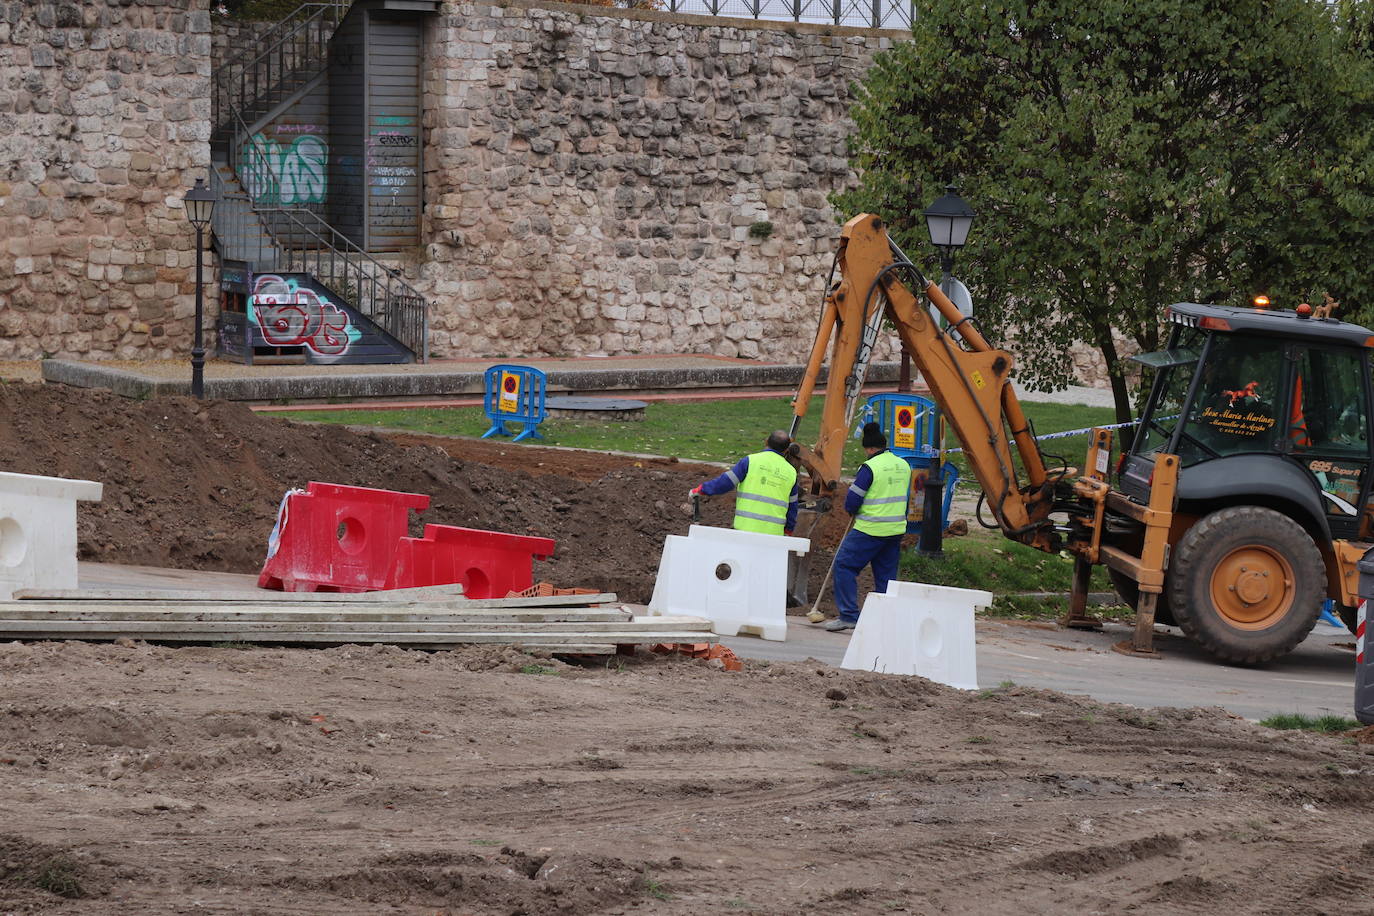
(969, 381)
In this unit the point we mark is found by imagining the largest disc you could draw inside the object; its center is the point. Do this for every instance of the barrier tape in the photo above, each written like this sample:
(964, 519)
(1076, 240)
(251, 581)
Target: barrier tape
(274, 539)
(1077, 432)
(1066, 433)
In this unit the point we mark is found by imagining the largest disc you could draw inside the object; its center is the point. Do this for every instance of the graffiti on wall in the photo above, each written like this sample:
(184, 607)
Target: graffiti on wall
(285, 173)
(289, 315)
(393, 174)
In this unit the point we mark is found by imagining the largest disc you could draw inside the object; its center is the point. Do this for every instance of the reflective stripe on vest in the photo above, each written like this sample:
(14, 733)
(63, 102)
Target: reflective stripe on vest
(883, 512)
(763, 496)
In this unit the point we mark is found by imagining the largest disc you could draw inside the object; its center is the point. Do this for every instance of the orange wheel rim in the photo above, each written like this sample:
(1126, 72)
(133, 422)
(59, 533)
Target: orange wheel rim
(1252, 587)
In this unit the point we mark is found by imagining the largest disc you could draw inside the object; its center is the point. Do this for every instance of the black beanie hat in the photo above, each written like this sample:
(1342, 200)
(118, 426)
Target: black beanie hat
(873, 436)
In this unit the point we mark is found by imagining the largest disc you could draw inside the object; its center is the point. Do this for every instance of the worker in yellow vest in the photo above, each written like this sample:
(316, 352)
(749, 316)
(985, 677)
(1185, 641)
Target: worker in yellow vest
(766, 483)
(877, 501)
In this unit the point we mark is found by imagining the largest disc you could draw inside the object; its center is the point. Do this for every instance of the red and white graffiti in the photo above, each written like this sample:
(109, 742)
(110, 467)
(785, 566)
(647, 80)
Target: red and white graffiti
(290, 316)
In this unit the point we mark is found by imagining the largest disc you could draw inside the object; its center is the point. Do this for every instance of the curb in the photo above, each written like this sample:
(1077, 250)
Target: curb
(338, 383)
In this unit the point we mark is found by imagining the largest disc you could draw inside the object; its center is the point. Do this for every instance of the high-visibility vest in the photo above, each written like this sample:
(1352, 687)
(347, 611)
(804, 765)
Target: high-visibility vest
(762, 498)
(883, 512)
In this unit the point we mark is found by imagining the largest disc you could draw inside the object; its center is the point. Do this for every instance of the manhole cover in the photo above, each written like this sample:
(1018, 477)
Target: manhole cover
(595, 408)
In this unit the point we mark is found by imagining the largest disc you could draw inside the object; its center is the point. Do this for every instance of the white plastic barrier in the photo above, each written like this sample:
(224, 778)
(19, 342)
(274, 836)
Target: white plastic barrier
(920, 629)
(735, 579)
(38, 530)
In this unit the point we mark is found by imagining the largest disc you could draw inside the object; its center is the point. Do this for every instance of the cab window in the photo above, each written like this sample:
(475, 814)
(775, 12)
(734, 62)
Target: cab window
(1328, 429)
(1238, 407)
(1329, 412)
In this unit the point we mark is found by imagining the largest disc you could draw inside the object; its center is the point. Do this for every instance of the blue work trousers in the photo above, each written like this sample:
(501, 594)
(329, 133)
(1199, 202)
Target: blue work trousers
(858, 550)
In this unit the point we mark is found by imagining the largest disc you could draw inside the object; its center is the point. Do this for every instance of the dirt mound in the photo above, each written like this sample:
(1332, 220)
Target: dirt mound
(196, 485)
(511, 882)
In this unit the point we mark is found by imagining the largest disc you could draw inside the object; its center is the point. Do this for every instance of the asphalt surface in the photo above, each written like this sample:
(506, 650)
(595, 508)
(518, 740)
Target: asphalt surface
(1318, 678)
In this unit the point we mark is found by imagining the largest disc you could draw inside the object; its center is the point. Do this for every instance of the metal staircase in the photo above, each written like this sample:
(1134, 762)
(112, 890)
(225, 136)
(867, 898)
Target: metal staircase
(274, 68)
(250, 225)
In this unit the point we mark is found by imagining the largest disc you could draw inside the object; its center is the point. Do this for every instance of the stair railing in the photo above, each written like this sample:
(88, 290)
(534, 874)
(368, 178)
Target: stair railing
(288, 55)
(374, 289)
(239, 231)
(297, 240)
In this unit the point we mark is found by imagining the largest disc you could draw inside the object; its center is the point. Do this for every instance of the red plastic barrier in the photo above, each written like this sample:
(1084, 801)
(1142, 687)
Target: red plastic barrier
(486, 563)
(336, 538)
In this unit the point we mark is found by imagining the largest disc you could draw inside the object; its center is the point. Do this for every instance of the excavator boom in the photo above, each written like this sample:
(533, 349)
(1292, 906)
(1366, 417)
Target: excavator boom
(970, 381)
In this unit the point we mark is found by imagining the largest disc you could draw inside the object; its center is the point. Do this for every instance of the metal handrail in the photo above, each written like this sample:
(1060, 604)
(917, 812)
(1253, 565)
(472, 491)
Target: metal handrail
(289, 240)
(374, 289)
(294, 51)
(340, 5)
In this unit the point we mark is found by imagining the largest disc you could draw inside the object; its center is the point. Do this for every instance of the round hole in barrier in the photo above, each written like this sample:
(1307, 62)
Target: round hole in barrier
(724, 571)
(351, 535)
(476, 584)
(930, 639)
(14, 546)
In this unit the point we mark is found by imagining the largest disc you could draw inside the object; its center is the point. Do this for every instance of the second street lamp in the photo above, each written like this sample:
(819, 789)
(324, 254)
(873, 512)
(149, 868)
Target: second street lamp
(948, 219)
(200, 206)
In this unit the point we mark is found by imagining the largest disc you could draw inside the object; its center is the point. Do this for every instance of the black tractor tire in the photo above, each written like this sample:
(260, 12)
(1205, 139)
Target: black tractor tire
(1129, 590)
(1246, 583)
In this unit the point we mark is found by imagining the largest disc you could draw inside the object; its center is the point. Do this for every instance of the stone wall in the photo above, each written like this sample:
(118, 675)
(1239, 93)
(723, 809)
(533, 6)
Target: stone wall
(104, 124)
(612, 182)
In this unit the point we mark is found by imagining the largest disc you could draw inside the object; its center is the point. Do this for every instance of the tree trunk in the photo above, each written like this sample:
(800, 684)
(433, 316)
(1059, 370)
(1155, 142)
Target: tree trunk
(1120, 394)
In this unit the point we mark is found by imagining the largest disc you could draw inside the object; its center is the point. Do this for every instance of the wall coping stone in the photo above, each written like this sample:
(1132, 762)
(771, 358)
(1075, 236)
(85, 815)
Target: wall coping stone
(697, 19)
(340, 383)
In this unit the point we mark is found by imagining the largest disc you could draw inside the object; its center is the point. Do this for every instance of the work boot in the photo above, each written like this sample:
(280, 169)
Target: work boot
(838, 624)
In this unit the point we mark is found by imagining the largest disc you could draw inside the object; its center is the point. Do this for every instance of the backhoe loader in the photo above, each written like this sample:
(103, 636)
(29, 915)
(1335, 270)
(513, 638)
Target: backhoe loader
(1242, 502)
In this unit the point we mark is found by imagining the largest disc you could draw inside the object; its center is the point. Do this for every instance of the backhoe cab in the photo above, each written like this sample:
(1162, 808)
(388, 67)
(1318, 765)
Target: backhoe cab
(1243, 500)
(1268, 412)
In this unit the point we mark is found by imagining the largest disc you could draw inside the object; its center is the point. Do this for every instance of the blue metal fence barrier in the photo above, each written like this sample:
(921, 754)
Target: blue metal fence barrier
(514, 394)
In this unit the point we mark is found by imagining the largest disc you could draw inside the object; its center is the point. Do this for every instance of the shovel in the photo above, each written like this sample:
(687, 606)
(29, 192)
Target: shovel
(815, 615)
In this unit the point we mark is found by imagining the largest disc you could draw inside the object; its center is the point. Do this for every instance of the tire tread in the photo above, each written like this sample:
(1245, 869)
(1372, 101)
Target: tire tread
(1308, 570)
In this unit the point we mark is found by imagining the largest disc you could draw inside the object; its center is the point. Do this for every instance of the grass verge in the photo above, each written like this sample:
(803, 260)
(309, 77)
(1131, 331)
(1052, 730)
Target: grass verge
(698, 430)
(1026, 583)
(1324, 724)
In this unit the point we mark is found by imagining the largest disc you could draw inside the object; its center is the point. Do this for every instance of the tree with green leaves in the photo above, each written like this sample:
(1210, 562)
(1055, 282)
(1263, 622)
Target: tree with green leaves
(1125, 154)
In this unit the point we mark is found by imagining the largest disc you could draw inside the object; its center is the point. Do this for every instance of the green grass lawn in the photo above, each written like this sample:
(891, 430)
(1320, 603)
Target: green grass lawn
(1324, 724)
(985, 560)
(698, 431)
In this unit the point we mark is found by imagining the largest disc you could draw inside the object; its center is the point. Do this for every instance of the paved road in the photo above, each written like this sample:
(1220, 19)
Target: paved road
(1316, 679)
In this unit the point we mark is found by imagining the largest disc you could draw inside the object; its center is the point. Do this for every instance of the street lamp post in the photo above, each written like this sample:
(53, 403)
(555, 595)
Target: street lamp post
(948, 220)
(200, 204)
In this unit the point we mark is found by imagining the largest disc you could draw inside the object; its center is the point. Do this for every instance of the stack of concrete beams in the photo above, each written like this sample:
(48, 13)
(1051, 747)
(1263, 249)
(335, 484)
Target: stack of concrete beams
(421, 618)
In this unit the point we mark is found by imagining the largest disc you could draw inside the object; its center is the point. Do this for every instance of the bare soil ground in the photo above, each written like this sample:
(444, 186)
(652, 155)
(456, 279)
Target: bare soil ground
(148, 779)
(139, 779)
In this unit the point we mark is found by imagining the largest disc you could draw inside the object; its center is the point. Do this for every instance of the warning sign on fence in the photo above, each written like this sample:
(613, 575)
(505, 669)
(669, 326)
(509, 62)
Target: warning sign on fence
(509, 402)
(904, 435)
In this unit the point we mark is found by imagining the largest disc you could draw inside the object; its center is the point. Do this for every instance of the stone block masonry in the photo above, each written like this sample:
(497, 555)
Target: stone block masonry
(603, 181)
(104, 125)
